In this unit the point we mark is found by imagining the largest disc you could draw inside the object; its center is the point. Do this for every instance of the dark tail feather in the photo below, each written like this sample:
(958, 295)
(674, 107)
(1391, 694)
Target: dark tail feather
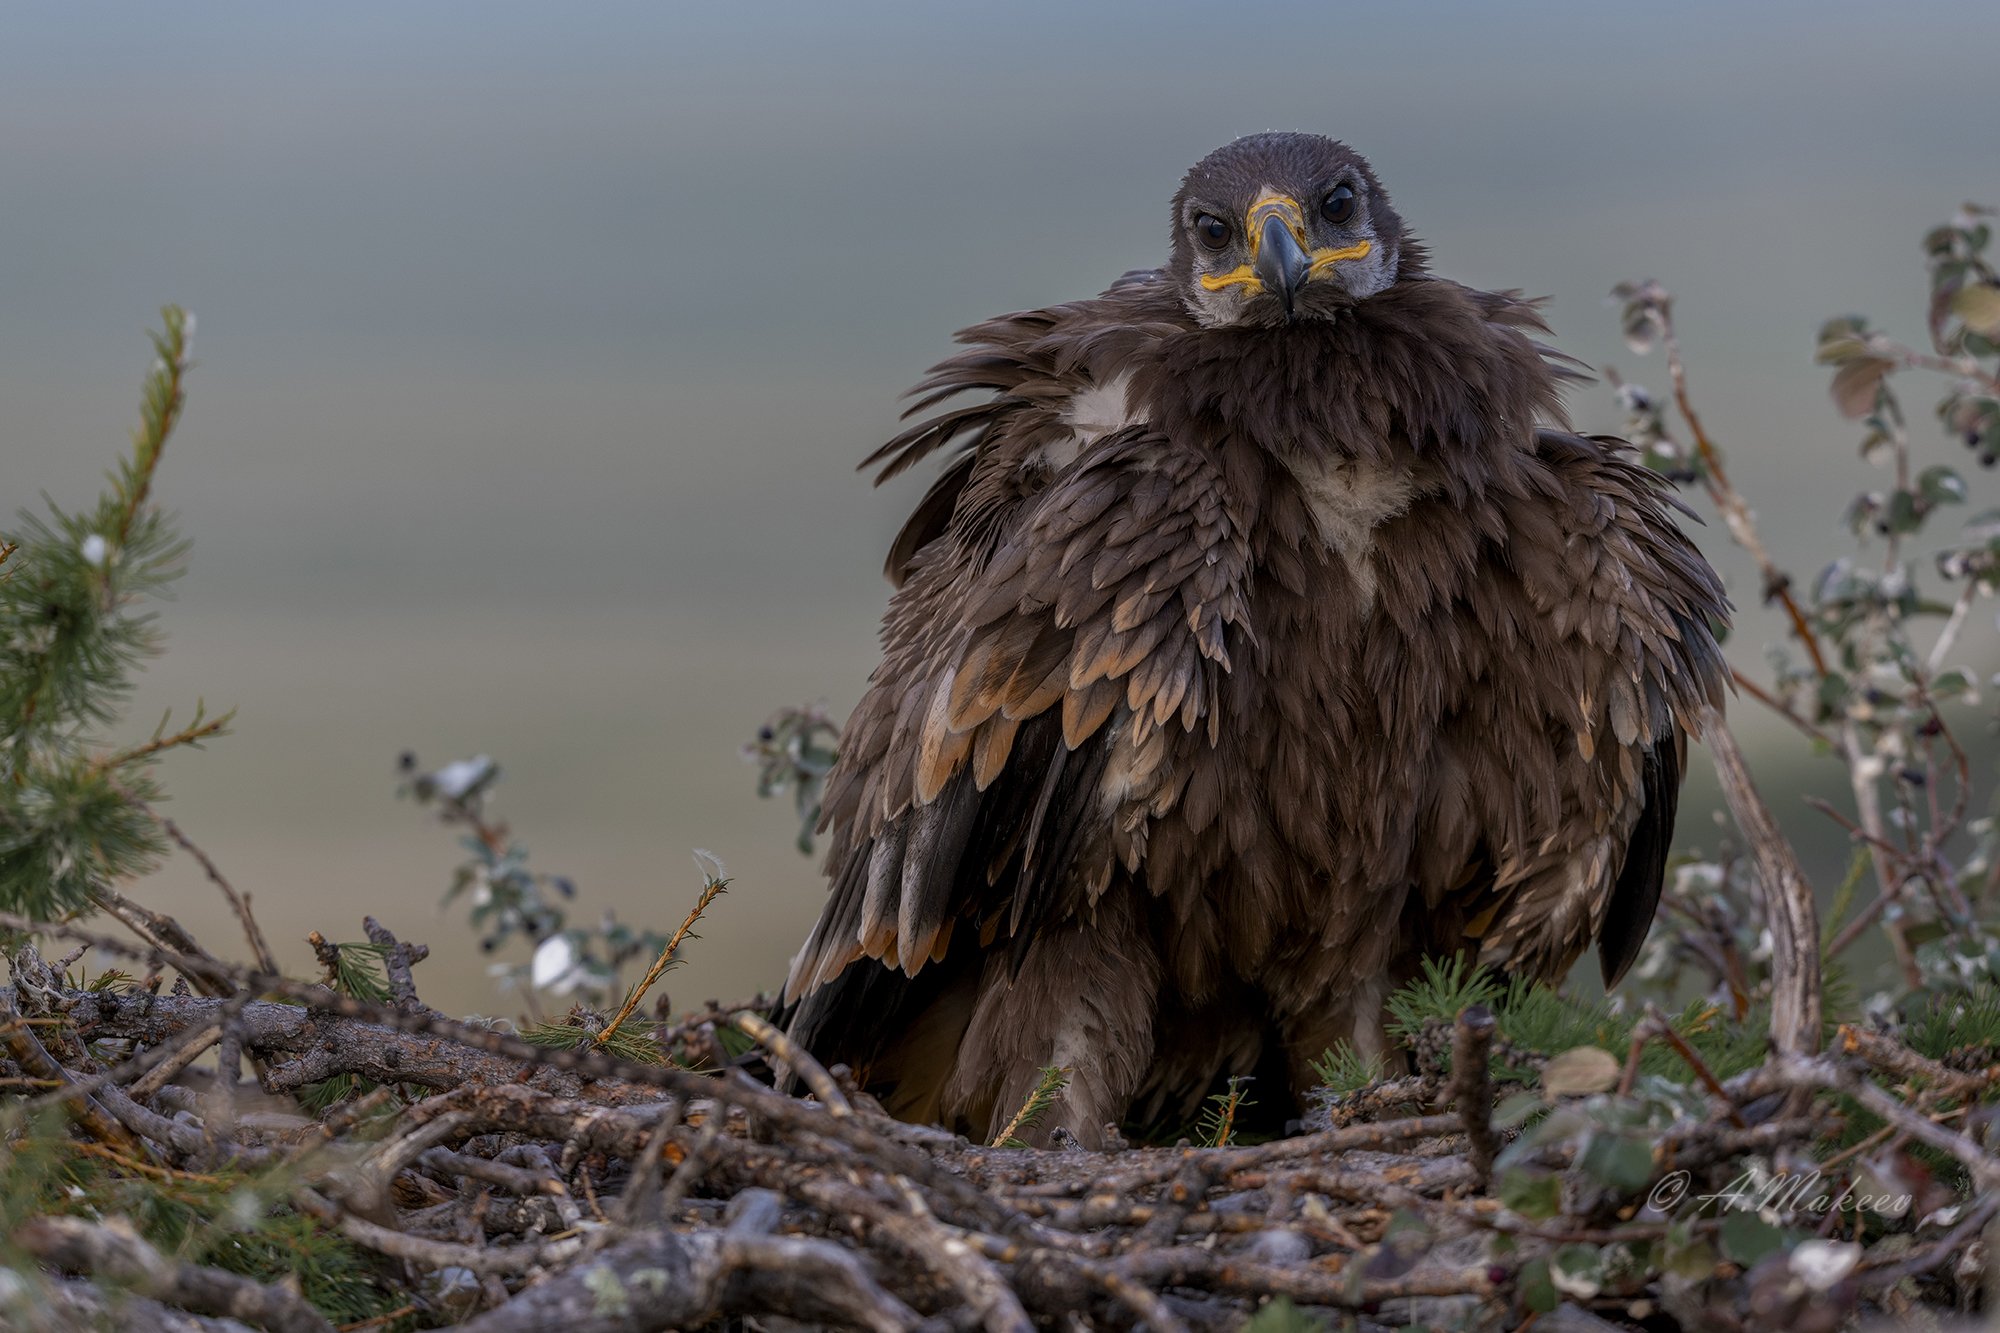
(1629, 916)
(898, 1034)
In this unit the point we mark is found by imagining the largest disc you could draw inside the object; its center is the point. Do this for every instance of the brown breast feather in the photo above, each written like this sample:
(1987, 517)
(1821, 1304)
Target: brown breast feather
(1057, 592)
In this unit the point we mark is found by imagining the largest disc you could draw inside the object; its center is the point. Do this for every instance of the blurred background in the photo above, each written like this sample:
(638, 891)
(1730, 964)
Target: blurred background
(537, 347)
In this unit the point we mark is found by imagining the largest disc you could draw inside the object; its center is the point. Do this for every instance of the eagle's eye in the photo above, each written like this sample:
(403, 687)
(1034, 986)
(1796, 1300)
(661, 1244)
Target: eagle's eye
(1339, 205)
(1214, 232)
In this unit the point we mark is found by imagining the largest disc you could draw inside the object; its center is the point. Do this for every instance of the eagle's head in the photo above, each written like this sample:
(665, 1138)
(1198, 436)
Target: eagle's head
(1275, 228)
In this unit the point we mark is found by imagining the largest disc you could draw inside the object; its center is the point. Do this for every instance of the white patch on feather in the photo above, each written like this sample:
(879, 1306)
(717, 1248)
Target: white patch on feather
(1349, 500)
(1367, 1012)
(1093, 413)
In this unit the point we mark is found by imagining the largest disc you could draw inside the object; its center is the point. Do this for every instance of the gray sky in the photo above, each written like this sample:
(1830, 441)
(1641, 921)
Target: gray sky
(538, 343)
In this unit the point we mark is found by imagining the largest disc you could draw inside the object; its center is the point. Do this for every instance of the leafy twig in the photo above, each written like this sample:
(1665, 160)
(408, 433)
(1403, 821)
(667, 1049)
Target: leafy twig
(1218, 1126)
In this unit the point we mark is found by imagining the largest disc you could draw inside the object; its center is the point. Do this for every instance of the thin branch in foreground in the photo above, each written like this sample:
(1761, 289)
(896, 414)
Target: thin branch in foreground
(1729, 502)
(1820, 1073)
(192, 735)
(1790, 910)
(239, 903)
(1472, 1085)
(113, 1252)
(796, 1058)
(662, 1279)
(710, 892)
(1053, 1080)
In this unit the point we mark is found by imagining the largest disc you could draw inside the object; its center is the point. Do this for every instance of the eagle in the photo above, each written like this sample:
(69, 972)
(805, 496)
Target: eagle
(1267, 632)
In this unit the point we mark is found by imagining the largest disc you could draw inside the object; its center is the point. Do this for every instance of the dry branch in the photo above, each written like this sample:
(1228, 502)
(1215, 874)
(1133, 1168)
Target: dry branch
(1472, 1086)
(1792, 913)
(585, 1192)
(115, 1253)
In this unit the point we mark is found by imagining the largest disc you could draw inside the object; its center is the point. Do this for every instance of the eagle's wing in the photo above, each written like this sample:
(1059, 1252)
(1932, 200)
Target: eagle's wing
(1032, 365)
(1628, 912)
(1632, 604)
(1037, 652)
(1668, 604)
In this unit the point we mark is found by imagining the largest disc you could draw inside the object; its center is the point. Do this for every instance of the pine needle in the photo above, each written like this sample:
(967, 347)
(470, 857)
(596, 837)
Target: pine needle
(712, 890)
(1054, 1079)
(1446, 987)
(361, 969)
(1344, 1070)
(577, 1035)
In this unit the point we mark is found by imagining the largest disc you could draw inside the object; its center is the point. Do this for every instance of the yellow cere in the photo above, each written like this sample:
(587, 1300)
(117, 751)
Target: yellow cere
(1323, 261)
(1284, 206)
(1326, 257)
(1215, 282)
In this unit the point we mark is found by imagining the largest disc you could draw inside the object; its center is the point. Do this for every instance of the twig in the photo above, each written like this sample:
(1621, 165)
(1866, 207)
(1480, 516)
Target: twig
(29, 1053)
(1819, 1072)
(1900, 1062)
(238, 903)
(1036, 1104)
(397, 958)
(1785, 711)
(700, 1157)
(434, 1253)
(1863, 771)
(1185, 1265)
(1951, 1244)
(166, 395)
(1959, 367)
(951, 1257)
(709, 893)
(1472, 1085)
(147, 1168)
(797, 1059)
(1378, 1135)
(208, 975)
(1789, 908)
(1729, 502)
(193, 734)
(1692, 1059)
(111, 1250)
(167, 1054)
(641, 1201)
(661, 1279)
(1948, 636)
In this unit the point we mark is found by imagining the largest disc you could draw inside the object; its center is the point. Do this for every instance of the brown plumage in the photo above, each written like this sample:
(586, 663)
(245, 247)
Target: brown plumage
(1268, 631)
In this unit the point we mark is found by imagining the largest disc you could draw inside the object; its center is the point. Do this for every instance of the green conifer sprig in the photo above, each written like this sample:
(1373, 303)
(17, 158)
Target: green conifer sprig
(74, 629)
(1218, 1119)
(1054, 1079)
(1537, 1022)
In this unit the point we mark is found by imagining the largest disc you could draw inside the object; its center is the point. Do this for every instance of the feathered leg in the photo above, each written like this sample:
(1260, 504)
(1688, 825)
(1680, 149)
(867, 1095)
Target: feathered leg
(1084, 999)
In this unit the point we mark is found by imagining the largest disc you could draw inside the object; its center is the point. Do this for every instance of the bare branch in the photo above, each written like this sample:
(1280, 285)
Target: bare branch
(1788, 900)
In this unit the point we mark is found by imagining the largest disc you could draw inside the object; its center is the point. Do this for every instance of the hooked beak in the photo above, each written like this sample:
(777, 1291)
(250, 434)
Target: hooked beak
(1282, 265)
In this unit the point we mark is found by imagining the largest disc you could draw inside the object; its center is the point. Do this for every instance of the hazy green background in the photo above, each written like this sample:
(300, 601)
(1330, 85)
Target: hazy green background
(537, 343)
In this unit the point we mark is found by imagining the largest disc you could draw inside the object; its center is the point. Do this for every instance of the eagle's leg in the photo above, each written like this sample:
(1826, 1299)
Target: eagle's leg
(1078, 1002)
(1355, 1017)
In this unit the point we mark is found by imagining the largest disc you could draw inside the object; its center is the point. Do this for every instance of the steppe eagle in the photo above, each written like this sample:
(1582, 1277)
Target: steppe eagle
(1267, 631)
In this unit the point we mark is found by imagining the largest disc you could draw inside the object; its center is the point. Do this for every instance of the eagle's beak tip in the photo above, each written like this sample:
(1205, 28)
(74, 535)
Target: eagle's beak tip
(1282, 264)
